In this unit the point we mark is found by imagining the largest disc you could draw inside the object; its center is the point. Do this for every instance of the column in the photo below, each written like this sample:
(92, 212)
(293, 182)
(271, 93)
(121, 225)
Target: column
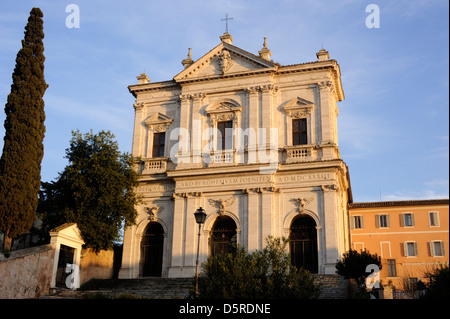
(331, 229)
(267, 213)
(139, 130)
(191, 234)
(253, 123)
(178, 235)
(254, 219)
(328, 120)
(129, 268)
(267, 109)
(183, 155)
(268, 138)
(196, 128)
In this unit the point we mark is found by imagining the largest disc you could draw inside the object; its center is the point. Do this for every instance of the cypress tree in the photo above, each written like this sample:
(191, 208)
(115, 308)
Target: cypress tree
(23, 149)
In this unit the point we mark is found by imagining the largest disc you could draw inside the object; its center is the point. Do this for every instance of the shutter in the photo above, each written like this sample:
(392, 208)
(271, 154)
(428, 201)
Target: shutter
(388, 221)
(402, 220)
(405, 249)
(431, 249)
(442, 248)
(377, 221)
(413, 223)
(416, 251)
(362, 221)
(352, 222)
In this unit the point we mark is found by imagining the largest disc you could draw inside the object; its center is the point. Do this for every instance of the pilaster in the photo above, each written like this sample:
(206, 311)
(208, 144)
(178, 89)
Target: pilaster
(196, 127)
(254, 218)
(185, 231)
(268, 213)
(329, 120)
(253, 122)
(331, 229)
(139, 130)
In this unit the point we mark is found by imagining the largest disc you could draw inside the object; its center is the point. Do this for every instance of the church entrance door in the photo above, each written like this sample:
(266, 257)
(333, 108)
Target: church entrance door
(303, 243)
(223, 236)
(152, 250)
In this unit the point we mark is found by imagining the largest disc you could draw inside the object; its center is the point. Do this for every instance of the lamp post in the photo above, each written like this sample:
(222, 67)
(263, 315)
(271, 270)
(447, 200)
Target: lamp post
(200, 217)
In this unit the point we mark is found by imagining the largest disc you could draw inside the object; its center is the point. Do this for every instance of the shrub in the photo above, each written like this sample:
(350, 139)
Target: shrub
(439, 283)
(264, 274)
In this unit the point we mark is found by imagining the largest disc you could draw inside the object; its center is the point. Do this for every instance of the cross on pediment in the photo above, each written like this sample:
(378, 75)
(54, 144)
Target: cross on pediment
(226, 22)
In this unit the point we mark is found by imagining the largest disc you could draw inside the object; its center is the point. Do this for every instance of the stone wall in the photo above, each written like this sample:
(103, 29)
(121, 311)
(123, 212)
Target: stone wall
(26, 273)
(98, 266)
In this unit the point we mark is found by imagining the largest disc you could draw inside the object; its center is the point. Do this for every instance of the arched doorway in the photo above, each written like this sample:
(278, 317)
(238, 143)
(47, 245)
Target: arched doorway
(152, 250)
(223, 238)
(303, 243)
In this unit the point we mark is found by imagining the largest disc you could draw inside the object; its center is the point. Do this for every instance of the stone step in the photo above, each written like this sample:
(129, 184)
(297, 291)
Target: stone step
(161, 288)
(331, 286)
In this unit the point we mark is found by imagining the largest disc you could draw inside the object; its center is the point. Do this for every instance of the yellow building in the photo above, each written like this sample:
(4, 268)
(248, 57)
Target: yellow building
(412, 237)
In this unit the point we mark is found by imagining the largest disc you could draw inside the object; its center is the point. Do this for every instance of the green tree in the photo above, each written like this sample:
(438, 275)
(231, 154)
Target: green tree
(20, 163)
(263, 274)
(95, 190)
(439, 283)
(354, 263)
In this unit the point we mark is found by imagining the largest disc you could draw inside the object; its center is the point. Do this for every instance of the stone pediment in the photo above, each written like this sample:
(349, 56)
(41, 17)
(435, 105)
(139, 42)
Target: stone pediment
(298, 107)
(225, 59)
(158, 122)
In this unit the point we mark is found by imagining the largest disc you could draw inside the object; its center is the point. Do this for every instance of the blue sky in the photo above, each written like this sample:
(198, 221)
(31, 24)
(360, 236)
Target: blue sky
(394, 121)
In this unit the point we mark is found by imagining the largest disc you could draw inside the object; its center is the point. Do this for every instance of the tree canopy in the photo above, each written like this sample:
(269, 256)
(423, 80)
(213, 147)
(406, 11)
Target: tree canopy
(20, 163)
(95, 190)
(354, 264)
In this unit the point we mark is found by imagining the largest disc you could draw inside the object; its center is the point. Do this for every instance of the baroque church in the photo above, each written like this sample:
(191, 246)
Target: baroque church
(251, 142)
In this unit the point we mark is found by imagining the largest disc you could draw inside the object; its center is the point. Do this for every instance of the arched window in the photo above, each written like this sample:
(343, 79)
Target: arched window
(303, 243)
(223, 238)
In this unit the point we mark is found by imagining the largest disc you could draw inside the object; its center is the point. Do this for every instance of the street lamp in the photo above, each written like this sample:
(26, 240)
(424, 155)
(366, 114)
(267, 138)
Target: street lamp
(200, 217)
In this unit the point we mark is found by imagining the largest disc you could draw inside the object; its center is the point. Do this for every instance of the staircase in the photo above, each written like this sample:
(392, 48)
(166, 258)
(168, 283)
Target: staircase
(148, 287)
(331, 287)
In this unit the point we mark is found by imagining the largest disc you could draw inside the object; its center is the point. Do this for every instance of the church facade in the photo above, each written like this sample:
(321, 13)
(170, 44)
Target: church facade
(253, 143)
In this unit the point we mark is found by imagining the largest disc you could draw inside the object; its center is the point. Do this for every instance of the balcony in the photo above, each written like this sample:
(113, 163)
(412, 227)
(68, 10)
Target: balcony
(222, 158)
(299, 153)
(150, 166)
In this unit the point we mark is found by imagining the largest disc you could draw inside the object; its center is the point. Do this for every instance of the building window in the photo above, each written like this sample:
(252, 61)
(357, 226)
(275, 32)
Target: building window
(410, 249)
(299, 132)
(383, 221)
(224, 135)
(159, 140)
(434, 218)
(407, 220)
(357, 222)
(437, 249)
(392, 269)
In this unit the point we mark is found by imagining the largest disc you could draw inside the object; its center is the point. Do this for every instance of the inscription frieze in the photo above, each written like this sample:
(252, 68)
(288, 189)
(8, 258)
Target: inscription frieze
(225, 181)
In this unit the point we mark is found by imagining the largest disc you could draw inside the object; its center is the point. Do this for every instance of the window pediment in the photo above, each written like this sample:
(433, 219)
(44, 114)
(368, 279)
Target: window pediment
(298, 108)
(224, 111)
(158, 122)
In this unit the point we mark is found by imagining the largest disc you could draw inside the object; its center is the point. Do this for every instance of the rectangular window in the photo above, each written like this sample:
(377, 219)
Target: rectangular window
(382, 221)
(410, 249)
(434, 218)
(357, 222)
(159, 140)
(392, 269)
(299, 132)
(407, 220)
(224, 135)
(437, 249)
